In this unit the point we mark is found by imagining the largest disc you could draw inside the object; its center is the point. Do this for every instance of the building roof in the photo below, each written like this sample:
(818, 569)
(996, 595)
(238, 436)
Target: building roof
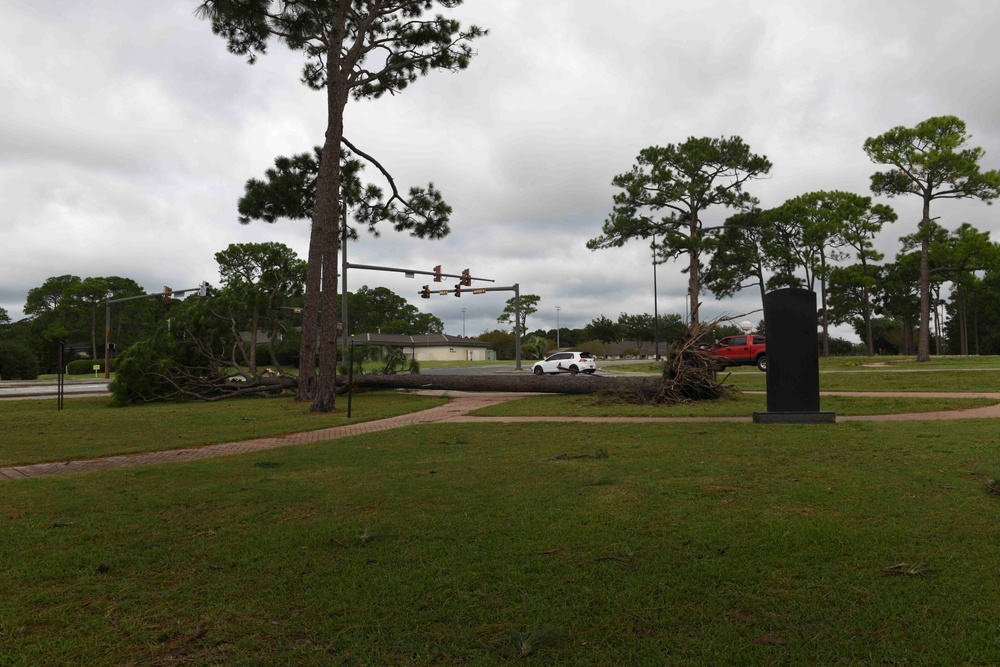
(423, 340)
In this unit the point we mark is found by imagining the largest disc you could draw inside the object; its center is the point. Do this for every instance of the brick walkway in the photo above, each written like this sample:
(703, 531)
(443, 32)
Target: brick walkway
(446, 412)
(456, 411)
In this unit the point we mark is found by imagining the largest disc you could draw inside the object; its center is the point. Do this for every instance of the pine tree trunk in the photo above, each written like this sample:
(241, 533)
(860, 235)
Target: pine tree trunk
(694, 282)
(326, 234)
(924, 341)
(963, 324)
(869, 334)
(826, 319)
(556, 384)
(937, 329)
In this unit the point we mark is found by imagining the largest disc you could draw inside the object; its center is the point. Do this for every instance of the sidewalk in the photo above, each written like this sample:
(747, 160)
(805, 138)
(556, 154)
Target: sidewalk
(456, 411)
(446, 412)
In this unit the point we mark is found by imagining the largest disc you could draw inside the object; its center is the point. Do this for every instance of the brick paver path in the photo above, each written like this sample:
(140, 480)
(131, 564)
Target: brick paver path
(456, 411)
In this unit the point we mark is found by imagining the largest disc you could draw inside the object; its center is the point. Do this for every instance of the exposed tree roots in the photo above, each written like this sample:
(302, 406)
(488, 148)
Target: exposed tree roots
(690, 374)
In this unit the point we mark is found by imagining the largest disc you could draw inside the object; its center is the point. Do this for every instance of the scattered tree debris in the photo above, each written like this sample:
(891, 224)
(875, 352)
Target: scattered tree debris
(523, 644)
(993, 486)
(599, 454)
(690, 373)
(769, 641)
(910, 570)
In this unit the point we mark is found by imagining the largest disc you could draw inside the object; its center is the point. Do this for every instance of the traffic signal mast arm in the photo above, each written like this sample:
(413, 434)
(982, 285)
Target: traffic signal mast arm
(516, 289)
(426, 292)
(484, 290)
(414, 272)
(201, 289)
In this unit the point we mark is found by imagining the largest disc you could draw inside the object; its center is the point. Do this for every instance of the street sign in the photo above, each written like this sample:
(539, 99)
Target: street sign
(481, 290)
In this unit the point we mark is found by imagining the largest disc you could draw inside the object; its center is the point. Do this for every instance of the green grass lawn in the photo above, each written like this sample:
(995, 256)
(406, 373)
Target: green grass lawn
(862, 364)
(956, 374)
(33, 431)
(742, 406)
(90, 428)
(687, 544)
(900, 362)
(942, 379)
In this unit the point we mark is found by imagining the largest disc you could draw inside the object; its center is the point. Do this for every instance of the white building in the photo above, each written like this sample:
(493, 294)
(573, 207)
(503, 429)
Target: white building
(431, 347)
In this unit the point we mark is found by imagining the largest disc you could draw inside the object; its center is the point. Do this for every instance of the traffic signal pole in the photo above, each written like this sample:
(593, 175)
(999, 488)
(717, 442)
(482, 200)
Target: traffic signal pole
(201, 289)
(515, 288)
(413, 272)
(466, 280)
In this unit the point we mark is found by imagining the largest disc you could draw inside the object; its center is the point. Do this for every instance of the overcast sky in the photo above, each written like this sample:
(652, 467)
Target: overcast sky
(127, 132)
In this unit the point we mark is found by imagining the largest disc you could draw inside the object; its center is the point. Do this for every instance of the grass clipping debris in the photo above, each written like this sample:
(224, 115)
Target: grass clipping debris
(690, 374)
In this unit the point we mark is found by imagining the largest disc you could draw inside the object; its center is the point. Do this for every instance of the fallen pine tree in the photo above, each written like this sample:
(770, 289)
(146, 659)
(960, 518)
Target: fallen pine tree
(690, 374)
(182, 366)
(549, 384)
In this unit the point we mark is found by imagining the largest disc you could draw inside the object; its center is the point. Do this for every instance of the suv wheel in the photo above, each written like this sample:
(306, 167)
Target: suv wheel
(762, 363)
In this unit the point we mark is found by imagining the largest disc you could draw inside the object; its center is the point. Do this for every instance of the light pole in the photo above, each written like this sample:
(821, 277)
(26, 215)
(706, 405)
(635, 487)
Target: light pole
(558, 308)
(463, 323)
(656, 314)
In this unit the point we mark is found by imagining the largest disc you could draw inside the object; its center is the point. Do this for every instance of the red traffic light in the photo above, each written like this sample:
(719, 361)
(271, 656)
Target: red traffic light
(437, 273)
(166, 293)
(466, 278)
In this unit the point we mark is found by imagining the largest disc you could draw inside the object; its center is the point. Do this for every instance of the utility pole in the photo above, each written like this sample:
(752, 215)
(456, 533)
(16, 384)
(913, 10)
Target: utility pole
(557, 327)
(656, 314)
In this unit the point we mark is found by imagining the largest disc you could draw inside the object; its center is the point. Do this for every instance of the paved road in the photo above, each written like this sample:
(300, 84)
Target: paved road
(474, 370)
(602, 365)
(49, 388)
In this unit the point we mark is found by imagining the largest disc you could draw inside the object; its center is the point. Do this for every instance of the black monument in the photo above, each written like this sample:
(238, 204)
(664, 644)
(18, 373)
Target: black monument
(792, 360)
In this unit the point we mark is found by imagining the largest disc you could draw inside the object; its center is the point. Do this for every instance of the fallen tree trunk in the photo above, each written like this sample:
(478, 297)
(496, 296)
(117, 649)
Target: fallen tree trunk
(550, 384)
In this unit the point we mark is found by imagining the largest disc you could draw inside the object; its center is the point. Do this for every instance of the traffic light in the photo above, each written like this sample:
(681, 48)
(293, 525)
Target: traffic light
(458, 290)
(425, 293)
(466, 278)
(203, 289)
(437, 273)
(166, 293)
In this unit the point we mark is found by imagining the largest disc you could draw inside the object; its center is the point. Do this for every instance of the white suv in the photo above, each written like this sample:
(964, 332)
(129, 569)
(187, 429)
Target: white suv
(566, 362)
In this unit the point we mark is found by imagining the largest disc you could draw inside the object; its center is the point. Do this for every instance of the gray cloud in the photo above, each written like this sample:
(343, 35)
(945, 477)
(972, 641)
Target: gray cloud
(131, 131)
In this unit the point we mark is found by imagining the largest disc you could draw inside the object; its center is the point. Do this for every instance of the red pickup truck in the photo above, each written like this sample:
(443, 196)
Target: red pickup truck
(746, 350)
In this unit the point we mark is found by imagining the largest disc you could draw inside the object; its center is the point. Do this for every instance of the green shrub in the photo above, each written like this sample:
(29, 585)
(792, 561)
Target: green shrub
(84, 366)
(17, 362)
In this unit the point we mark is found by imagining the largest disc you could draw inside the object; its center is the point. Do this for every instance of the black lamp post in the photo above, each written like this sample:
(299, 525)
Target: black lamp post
(656, 314)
